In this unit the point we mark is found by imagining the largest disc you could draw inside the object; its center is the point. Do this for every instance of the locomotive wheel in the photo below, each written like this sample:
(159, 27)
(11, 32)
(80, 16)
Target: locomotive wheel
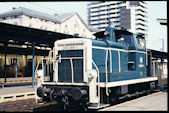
(53, 96)
(40, 92)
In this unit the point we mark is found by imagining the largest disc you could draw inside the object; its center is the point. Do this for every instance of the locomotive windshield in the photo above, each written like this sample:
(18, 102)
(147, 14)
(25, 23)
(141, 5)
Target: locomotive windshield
(71, 66)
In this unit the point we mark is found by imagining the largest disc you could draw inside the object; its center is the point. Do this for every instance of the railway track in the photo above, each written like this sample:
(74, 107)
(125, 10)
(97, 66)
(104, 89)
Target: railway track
(30, 105)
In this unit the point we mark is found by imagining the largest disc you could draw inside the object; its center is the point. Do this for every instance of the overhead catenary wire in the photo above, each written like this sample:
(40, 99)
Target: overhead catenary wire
(42, 7)
(15, 4)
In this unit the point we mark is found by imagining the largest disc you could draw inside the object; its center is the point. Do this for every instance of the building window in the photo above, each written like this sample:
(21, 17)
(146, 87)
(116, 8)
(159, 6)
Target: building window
(140, 29)
(76, 27)
(41, 27)
(30, 25)
(65, 29)
(15, 16)
(84, 33)
(140, 20)
(15, 23)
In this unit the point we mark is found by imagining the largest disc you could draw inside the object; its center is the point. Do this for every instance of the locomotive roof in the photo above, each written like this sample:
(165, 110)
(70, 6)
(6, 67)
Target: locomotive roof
(118, 32)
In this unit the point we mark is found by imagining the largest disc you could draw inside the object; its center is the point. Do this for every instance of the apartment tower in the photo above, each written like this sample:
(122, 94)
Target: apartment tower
(129, 15)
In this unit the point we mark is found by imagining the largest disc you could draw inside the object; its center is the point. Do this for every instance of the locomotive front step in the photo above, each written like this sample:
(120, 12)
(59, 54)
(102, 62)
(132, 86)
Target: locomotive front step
(97, 106)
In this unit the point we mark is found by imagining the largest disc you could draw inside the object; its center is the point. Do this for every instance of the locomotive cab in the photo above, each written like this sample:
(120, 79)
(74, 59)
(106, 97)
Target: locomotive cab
(128, 39)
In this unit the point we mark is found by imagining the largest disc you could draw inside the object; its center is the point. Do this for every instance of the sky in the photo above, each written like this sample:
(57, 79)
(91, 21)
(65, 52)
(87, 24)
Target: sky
(156, 9)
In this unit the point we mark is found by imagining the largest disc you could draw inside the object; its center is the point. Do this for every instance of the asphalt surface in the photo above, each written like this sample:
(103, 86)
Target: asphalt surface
(153, 102)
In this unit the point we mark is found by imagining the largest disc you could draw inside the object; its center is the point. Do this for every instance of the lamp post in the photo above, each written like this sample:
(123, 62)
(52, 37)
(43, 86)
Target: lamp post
(33, 65)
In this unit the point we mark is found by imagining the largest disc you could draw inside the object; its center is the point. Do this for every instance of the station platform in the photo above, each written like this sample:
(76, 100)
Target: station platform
(16, 93)
(152, 102)
(16, 80)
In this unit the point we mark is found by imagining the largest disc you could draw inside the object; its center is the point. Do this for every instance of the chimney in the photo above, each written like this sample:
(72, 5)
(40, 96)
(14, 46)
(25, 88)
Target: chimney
(55, 14)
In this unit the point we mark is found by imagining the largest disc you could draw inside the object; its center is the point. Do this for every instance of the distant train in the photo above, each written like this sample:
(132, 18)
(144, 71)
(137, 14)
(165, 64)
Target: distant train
(93, 73)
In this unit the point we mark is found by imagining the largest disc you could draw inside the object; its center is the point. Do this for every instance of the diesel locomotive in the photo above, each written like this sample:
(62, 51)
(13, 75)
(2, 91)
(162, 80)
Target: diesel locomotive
(94, 73)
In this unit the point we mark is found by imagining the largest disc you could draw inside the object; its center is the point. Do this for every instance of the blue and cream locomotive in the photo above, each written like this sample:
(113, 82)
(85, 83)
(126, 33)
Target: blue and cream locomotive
(94, 73)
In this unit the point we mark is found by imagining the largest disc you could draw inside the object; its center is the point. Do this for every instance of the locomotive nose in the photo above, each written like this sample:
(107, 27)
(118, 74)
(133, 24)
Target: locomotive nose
(77, 93)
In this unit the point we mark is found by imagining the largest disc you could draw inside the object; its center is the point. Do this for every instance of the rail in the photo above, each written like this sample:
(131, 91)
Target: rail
(28, 105)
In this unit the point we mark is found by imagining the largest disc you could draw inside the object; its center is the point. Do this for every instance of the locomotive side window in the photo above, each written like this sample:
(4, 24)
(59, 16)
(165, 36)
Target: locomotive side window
(123, 37)
(127, 39)
(140, 42)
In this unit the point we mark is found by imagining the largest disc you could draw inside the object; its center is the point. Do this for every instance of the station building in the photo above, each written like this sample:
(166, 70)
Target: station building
(67, 23)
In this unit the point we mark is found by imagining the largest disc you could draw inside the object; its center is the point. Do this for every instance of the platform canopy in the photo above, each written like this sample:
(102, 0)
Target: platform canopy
(21, 40)
(159, 54)
(19, 36)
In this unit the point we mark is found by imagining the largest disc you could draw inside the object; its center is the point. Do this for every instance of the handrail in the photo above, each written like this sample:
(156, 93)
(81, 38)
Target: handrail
(146, 57)
(108, 50)
(98, 81)
(71, 63)
(36, 97)
(39, 62)
(106, 71)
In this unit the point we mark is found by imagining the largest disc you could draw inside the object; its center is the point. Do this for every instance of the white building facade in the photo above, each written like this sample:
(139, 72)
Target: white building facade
(129, 15)
(67, 23)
